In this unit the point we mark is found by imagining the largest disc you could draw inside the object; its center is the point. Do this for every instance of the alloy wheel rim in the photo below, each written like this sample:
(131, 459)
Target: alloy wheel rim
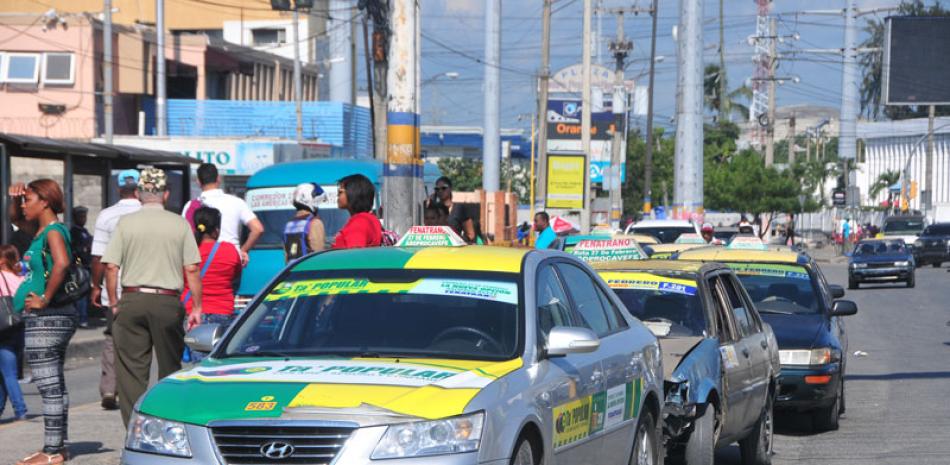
(769, 430)
(525, 455)
(644, 457)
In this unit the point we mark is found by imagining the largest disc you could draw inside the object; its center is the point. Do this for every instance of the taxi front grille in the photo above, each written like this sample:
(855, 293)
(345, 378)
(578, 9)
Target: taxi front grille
(247, 444)
(881, 265)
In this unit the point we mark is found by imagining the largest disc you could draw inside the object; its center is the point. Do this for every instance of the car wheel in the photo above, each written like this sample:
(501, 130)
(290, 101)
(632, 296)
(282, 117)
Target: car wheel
(842, 396)
(645, 446)
(910, 280)
(936, 264)
(826, 419)
(525, 454)
(853, 283)
(756, 449)
(701, 446)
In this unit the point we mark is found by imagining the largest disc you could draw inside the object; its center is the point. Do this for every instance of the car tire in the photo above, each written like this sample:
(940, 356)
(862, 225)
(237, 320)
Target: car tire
(525, 453)
(842, 406)
(645, 446)
(756, 449)
(911, 280)
(827, 418)
(853, 283)
(701, 446)
(936, 264)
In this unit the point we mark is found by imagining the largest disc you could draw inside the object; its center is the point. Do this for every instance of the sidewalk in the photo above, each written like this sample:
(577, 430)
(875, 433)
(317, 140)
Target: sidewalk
(87, 343)
(95, 437)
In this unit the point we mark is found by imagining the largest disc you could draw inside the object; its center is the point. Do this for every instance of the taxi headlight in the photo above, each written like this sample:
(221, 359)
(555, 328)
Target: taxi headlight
(157, 436)
(447, 436)
(822, 356)
(859, 265)
(902, 263)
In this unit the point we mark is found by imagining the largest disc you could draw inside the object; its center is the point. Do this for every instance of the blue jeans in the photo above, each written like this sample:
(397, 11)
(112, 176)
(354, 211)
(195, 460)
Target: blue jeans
(10, 385)
(82, 306)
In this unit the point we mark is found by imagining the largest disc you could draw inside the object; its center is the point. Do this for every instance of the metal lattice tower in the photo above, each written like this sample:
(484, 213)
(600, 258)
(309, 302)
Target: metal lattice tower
(759, 108)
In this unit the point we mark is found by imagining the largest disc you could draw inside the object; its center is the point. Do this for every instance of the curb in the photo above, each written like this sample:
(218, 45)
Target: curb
(89, 348)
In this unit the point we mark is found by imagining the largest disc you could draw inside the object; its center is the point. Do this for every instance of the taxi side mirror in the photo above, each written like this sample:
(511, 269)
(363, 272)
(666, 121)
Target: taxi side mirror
(563, 340)
(204, 337)
(844, 308)
(837, 291)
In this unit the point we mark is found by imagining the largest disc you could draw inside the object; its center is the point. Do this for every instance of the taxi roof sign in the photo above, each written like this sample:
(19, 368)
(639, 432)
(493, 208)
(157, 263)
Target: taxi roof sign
(430, 236)
(747, 243)
(608, 250)
(690, 238)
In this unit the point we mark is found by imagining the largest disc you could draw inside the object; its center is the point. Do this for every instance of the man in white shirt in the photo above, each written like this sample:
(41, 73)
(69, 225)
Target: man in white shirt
(105, 225)
(234, 211)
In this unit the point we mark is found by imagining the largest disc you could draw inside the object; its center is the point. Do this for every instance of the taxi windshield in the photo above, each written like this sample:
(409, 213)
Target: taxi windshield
(903, 226)
(660, 299)
(384, 313)
(866, 248)
(778, 288)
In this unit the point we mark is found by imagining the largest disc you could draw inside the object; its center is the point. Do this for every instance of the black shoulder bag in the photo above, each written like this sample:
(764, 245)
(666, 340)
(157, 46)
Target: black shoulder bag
(76, 284)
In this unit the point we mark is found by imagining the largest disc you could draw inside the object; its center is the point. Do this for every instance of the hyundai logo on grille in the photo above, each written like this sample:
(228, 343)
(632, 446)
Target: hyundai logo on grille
(277, 450)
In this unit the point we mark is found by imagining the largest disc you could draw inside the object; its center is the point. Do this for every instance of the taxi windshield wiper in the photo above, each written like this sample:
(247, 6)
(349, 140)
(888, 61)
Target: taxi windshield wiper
(266, 353)
(777, 312)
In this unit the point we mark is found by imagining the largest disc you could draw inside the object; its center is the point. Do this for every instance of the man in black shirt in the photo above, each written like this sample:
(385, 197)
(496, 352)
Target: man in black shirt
(81, 245)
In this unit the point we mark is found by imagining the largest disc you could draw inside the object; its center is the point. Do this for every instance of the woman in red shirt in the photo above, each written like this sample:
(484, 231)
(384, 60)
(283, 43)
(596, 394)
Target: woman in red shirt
(356, 194)
(220, 269)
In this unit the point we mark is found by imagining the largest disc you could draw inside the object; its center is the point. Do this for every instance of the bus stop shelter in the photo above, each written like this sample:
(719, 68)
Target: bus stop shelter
(86, 171)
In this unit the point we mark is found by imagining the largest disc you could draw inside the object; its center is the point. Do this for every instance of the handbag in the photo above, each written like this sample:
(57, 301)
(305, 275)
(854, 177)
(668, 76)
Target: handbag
(8, 317)
(77, 283)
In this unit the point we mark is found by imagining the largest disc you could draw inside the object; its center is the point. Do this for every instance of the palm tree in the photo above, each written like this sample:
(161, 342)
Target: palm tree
(884, 182)
(728, 106)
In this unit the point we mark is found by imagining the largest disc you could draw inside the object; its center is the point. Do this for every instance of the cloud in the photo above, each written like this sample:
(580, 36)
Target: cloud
(455, 7)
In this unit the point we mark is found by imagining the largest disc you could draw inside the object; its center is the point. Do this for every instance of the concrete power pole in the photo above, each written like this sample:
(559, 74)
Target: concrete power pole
(620, 48)
(298, 92)
(791, 140)
(648, 156)
(585, 115)
(107, 80)
(402, 166)
(378, 51)
(161, 112)
(847, 143)
(340, 26)
(688, 168)
(773, 61)
(545, 75)
(928, 199)
(491, 139)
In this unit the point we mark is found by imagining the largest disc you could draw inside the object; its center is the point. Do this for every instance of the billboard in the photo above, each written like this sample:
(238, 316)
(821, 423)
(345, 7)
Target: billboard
(565, 182)
(915, 61)
(564, 135)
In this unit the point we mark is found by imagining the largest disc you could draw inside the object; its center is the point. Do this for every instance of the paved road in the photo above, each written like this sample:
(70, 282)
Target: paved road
(898, 411)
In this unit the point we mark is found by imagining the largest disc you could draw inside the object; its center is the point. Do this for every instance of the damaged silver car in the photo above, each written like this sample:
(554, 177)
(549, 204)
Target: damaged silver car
(720, 360)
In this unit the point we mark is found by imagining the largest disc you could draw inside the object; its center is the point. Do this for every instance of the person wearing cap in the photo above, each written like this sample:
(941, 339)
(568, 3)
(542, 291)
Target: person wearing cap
(305, 233)
(106, 223)
(81, 243)
(157, 252)
(708, 233)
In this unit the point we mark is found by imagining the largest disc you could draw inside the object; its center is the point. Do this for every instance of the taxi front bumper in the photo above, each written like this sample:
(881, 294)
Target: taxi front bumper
(881, 273)
(797, 393)
(355, 451)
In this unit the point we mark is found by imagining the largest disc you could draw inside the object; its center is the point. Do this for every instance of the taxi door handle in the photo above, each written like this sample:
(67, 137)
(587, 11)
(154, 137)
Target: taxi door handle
(597, 376)
(765, 345)
(745, 352)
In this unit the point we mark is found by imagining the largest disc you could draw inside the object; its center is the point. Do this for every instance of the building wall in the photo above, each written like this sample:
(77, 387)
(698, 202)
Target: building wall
(20, 113)
(892, 153)
(241, 33)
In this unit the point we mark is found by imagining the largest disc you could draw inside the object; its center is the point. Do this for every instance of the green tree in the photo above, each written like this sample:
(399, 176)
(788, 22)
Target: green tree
(465, 173)
(872, 64)
(884, 182)
(725, 107)
(663, 152)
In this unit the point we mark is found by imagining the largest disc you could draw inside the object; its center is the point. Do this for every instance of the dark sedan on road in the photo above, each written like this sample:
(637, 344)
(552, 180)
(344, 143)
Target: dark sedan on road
(933, 245)
(881, 260)
(792, 295)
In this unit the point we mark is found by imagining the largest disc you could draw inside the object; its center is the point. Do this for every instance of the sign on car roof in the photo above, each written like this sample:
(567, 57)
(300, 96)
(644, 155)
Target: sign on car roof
(690, 238)
(747, 243)
(620, 249)
(430, 236)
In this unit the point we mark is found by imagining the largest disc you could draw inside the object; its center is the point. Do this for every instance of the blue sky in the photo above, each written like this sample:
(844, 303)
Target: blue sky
(459, 24)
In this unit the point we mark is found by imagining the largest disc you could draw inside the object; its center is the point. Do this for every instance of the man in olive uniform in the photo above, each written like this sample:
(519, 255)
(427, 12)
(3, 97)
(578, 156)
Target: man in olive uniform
(156, 252)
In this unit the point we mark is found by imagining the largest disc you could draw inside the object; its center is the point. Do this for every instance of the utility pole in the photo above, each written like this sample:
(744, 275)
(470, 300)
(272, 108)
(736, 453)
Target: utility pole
(688, 168)
(928, 168)
(491, 139)
(770, 128)
(585, 115)
(339, 25)
(161, 112)
(378, 12)
(723, 98)
(107, 79)
(847, 143)
(402, 166)
(791, 140)
(545, 76)
(620, 48)
(298, 92)
(648, 157)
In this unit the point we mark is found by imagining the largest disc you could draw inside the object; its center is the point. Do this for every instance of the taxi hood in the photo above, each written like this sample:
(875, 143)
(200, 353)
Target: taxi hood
(800, 331)
(255, 388)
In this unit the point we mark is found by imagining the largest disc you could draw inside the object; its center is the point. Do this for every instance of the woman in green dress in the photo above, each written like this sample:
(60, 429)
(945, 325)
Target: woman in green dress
(48, 327)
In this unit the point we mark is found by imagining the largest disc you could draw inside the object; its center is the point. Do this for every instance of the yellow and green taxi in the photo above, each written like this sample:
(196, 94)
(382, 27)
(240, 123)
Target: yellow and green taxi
(792, 295)
(720, 359)
(435, 355)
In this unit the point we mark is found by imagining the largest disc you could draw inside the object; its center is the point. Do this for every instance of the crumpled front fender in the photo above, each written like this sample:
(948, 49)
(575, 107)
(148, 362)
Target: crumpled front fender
(701, 371)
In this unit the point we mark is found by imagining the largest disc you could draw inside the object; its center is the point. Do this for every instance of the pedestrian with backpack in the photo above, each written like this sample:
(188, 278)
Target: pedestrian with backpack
(305, 232)
(220, 269)
(234, 211)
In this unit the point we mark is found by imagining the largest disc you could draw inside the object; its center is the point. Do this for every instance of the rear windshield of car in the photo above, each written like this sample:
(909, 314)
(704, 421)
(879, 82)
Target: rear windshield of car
(778, 288)
(658, 299)
(665, 234)
(879, 248)
(937, 230)
(385, 313)
(903, 226)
